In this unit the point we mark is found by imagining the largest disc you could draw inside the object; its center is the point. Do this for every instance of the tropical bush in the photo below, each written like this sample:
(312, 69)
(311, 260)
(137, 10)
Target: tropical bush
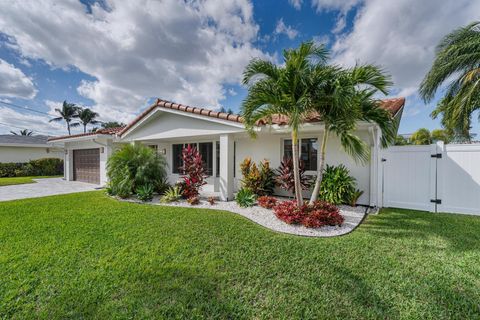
(245, 198)
(354, 196)
(259, 181)
(212, 200)
(338, 186)
(145, 192)
(133, 166)
(193, 200)
(193, 172)
(285, 177)
(267, 202)
(39, 167)
(172, 194)
(318, 214)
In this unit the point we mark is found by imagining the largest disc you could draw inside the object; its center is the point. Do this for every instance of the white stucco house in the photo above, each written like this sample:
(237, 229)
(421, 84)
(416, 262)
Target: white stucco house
(222, 140)
(21, 149)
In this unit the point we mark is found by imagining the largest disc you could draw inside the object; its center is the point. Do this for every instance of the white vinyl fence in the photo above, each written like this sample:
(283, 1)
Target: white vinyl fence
(436, 178)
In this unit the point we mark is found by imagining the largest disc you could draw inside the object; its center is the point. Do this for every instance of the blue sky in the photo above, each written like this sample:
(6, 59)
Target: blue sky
(115, 57)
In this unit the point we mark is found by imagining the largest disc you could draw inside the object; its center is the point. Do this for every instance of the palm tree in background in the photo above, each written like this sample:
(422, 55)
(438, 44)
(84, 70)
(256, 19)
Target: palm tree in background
(342, 98)
(112, 124)
(67, 114)
(457, 56)
(87, 116)
(24, 132)
(282, 90)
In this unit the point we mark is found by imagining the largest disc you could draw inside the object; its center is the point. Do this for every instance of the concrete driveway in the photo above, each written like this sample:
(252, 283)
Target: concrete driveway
(44, 187)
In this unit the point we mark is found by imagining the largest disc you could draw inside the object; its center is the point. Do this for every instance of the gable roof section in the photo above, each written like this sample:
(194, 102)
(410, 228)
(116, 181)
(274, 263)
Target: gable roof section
(27, 140)
(108, 131)
(393, 105)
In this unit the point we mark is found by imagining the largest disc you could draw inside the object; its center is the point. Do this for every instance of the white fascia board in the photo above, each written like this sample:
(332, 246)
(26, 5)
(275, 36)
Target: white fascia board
(185, 114)
(24, 145)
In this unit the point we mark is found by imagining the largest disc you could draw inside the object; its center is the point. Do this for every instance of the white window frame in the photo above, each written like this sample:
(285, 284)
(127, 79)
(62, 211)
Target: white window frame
(282, 150)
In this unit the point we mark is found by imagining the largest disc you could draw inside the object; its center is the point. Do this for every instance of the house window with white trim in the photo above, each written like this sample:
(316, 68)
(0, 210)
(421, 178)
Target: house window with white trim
(308, 152)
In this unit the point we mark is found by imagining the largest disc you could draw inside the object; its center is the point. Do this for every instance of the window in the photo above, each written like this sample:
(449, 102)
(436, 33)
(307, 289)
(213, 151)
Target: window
(176, 157)
(204, 148)
(308, 152)
(206, 151)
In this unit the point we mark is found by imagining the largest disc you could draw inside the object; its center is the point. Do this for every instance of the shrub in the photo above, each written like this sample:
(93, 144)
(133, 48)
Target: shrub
(259, 181)
(337, 185)
(162, 186)
(312, 216)
(145, 192)
(212, 200)
(267, 202)
(133, 166)
(171, 194)
(193, 200)
(245, 198)
(353, 198)
(193, 172)
(285, 178)
(39, 167)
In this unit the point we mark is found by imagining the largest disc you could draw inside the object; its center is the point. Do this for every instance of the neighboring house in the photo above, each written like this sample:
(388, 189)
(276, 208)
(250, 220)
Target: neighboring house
(223, 143)
(17, 148)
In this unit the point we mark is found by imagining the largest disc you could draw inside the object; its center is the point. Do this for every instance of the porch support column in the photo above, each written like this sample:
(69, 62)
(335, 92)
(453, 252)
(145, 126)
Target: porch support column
(226, 167)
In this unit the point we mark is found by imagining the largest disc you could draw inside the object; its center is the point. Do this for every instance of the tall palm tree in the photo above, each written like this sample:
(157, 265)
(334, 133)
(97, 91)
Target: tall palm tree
(24, 132)
(67, 114)
(87, 116)
(282, 90)
(342, 98)
(457, 56)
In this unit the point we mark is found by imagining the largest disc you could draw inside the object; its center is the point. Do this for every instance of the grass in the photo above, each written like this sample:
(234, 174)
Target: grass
(21, 180)
(88, 256)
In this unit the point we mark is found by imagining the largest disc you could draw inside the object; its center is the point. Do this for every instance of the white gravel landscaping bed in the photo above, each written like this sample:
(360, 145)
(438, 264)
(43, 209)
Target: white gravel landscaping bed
(265, 217)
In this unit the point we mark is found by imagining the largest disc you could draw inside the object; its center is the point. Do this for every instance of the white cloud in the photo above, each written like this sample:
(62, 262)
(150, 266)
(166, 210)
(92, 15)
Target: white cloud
(401, 36)
(14, 83)
(38, 123)
(232, 92)
(182, 51)
(282, 28)
(343, 6)
(297, 4)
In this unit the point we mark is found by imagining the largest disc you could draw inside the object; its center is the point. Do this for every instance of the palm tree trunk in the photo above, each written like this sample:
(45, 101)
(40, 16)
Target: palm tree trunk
(68, 128)
(321, 165)
(84, 128)
(296, 172)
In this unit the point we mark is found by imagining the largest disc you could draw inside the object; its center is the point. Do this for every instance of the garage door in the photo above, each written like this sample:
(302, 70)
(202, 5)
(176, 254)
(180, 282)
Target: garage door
(86, 165)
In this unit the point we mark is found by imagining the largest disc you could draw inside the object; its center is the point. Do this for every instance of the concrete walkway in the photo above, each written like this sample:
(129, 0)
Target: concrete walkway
(43, 187)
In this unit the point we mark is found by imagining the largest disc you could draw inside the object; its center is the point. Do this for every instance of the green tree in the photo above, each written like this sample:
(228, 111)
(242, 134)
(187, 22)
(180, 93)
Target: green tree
(112, 124)
(87, 116)
(342, 98)
(457, 56)
(68, 113)
(440, 135)
(24, 132)
(401, 141)
(421, 136)
(282, 90)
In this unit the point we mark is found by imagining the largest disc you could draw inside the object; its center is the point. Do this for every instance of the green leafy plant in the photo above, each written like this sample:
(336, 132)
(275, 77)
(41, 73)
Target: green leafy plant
(162, 186)
(354, 196)
(145, 192)
(337, 185)
(39, 167)
(245, 198)
(172, 194)
(260, 180)
(135, 165)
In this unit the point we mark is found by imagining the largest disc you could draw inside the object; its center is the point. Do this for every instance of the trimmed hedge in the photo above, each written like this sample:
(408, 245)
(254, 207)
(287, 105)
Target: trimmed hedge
(40, 167)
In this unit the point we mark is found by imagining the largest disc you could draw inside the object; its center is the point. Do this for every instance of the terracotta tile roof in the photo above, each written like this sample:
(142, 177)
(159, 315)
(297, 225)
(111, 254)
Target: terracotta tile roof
(393, 105)
(110, 131)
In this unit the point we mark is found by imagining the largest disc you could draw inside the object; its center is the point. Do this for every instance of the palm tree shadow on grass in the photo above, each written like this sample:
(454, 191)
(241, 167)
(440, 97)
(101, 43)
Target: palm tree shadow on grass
(460, 231)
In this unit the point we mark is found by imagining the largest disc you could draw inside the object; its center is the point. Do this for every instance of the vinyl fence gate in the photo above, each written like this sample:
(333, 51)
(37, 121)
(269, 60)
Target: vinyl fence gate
(435, 178)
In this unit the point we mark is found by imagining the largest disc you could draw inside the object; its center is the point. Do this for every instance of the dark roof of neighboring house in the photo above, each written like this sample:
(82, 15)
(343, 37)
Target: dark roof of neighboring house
(109, 131)
(17, 139)
(393, 105)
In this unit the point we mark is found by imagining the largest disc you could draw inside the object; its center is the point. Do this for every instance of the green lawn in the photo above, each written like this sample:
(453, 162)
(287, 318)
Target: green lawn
(21, 180)
(88, 256)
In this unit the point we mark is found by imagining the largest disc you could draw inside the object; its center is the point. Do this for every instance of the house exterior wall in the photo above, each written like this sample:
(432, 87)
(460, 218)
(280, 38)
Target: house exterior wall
(106, 148)
(25, 154)
(270, 147)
